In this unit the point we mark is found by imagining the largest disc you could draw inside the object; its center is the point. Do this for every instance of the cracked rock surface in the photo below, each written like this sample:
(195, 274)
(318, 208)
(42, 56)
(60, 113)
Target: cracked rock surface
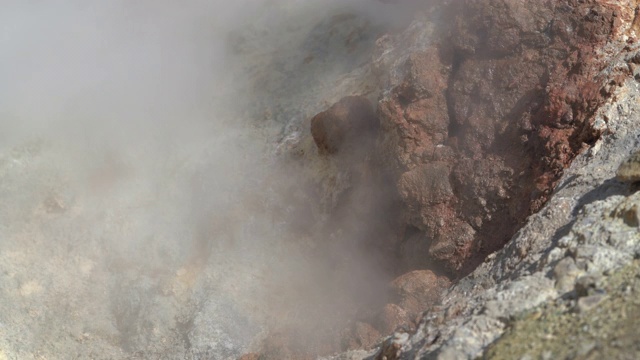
(587, 230)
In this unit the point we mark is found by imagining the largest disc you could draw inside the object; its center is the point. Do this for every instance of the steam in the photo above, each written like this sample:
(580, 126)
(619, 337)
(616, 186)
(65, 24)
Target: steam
(114, 70)
(130, 151)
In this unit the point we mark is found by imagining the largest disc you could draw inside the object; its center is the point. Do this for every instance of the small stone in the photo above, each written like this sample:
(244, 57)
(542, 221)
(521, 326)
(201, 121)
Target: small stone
(629, 212)
(566, 242)
(565, 273)
(586, 348)
(629, 170)
(391, 348)
(587, 303)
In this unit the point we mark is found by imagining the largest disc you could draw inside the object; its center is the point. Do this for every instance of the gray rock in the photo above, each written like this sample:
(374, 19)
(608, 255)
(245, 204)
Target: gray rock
(565, 273)
(587, 303)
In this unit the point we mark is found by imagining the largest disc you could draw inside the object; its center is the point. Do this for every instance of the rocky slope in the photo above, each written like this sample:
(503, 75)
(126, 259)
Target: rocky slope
(448, 167)
(479, 121)
(519, 133)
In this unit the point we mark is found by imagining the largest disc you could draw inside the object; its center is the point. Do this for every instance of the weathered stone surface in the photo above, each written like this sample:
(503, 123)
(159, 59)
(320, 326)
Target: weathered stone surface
(496, 103)
(478, 129)
(282, 346)
(392, 317)
(391, 348)
(414, 119)
(361, 336)
(580, 220)
(589, 224)
(425, 186)
(565, 272)
(417, 290)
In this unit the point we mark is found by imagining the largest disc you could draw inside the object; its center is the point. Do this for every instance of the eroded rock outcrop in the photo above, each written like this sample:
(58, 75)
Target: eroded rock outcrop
(526, 93)
(477, 120)
(483, 121)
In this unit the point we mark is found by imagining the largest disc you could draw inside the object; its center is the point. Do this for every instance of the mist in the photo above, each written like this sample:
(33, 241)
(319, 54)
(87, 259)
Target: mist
(144, 207)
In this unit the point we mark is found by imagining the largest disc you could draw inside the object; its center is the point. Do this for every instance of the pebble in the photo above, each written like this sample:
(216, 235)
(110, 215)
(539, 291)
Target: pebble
(629, 170)
(586, 348)
(587, 303)
(565, 273)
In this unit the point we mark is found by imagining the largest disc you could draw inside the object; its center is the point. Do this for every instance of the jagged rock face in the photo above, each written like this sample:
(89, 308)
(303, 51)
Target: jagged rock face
(476, 121)
(483, 122)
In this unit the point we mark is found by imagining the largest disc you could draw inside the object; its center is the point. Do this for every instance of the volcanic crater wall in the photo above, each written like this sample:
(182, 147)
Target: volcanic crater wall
(482, 122)
(192, 232)
(478, 117)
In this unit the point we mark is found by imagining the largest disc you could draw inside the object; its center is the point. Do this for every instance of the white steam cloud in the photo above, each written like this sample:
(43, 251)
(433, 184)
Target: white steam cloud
(142, 206)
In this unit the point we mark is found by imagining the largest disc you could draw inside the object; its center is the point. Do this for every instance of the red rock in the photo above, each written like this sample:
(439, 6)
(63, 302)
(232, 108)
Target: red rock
(422, 80)
(414, 119)
(496, 110)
